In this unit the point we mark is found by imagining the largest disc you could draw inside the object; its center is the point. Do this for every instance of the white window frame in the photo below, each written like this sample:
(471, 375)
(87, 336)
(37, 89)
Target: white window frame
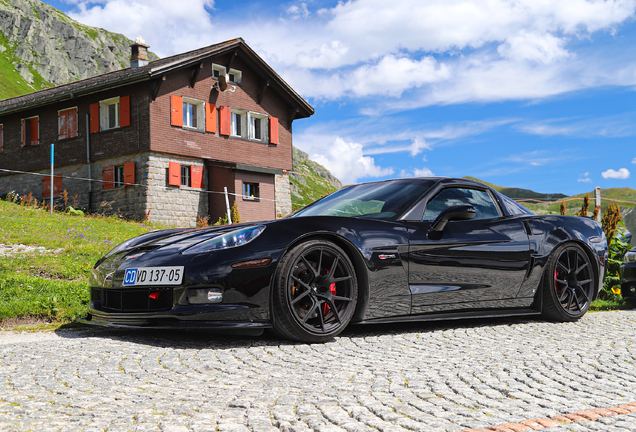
(103, 113)
(219, 68)
(76, 126)
(243, 115)
(118, 176)
(188, 169)
(251, 198)
(263, 129)
(29, 118)
(200, 105)
(238, 76)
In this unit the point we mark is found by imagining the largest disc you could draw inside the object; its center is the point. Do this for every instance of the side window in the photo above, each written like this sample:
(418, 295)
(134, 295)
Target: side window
(109, 113)
(481, 200)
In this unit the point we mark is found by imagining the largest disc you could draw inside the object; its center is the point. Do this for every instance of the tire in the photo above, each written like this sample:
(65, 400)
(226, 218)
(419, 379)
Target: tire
(568, 284)
(632, 302)
(314, 293)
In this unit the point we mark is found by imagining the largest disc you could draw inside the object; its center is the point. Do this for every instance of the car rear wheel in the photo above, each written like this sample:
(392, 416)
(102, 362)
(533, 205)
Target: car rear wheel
(568, 284)
(315, 292)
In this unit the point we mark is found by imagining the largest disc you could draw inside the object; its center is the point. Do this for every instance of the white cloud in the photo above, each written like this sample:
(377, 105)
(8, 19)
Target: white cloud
(634, 161)
(417, 145)
(541, 48)
(433, 52)
(417, 172)
(346, 161)
(298, 11)
(166, 25)
(621, 174)
(585, 179)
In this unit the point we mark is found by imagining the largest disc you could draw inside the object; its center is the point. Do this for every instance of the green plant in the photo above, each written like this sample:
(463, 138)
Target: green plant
(221, 221)
(610, 220)
(585, 207)
(563, 209)
(611, 287)
(236, 217)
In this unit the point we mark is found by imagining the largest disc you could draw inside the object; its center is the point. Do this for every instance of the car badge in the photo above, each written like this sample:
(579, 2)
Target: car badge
(386, 256)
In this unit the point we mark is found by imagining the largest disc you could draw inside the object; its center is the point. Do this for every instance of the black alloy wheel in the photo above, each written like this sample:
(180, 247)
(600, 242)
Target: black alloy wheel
(568, 286)
(316, 292)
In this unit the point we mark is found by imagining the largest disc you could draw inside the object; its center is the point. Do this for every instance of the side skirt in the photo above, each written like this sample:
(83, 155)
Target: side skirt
(454, 316)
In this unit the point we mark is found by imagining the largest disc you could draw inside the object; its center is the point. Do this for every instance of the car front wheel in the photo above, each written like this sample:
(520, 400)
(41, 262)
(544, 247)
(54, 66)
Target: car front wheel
(315, 292)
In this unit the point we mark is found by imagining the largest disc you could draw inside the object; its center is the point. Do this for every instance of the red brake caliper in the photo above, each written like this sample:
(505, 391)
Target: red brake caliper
(332, 290)
(555, 278)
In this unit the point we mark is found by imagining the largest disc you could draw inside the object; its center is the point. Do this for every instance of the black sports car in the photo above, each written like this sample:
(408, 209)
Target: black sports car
(628, 277)
(396, 250)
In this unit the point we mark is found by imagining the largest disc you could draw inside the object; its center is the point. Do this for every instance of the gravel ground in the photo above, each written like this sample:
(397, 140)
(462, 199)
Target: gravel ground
(447, 376)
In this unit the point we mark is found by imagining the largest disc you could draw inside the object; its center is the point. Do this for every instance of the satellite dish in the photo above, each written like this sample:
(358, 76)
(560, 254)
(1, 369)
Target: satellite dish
(223, 82)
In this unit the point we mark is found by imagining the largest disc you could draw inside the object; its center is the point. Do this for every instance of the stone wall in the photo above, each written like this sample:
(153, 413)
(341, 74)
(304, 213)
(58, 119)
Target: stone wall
(174, 205)
(283, 195)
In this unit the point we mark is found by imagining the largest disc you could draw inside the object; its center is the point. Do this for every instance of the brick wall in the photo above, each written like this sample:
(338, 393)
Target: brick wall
(213, 146)
(106, 144)
(255, 210)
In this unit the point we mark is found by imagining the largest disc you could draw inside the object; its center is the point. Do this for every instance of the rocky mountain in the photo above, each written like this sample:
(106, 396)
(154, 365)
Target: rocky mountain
(310, 180)
(41, 47)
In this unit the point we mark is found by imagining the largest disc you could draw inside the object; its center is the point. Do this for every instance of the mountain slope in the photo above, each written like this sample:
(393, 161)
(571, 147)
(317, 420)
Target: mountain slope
(313, 182)
(41, 47)
(518, 193)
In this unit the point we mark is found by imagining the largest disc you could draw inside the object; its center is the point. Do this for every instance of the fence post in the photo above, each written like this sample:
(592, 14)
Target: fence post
(227, 207)
(597, 195)
(52, 179)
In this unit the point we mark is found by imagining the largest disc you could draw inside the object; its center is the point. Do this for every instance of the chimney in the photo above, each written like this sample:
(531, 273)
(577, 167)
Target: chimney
(138, 53)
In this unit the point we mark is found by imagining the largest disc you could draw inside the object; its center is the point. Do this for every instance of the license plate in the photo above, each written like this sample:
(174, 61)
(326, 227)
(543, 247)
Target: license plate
(153, 276)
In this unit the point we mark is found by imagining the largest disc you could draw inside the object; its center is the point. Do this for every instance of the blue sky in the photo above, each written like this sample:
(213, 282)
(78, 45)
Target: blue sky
(536, 94)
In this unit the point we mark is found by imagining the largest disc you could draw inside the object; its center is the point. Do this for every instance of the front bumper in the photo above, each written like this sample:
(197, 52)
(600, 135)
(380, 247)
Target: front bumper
(628, 280)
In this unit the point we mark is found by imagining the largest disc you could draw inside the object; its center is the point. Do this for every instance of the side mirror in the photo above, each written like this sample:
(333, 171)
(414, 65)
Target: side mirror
(453, 213)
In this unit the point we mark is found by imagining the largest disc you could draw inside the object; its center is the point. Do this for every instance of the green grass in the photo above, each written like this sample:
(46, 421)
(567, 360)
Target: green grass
(11, 82)
(54, 285)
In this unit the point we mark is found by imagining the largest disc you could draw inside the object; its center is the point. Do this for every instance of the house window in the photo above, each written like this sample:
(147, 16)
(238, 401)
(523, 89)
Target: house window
(236, 76)
(30, 131)
(258, 127)
(185, 176)
(250, 191)
(119, 176)
(238, 123)
(67, 123)
(217, 70)
(193, 113)
(109, 113)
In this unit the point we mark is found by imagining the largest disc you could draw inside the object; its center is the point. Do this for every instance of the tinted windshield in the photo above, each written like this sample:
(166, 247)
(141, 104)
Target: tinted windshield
(383, 200)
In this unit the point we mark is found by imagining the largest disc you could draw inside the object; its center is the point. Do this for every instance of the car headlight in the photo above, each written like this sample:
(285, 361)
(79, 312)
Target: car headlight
(227, 240)
(630, 256)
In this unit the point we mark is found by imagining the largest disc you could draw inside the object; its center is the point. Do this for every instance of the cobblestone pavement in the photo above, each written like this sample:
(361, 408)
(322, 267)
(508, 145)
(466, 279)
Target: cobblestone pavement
(447, 376)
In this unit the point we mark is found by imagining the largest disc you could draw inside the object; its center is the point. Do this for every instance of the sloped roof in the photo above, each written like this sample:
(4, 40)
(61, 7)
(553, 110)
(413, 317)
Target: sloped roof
(155, 69)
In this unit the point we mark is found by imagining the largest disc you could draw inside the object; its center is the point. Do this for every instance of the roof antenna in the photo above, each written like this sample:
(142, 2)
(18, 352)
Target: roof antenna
(222, 84)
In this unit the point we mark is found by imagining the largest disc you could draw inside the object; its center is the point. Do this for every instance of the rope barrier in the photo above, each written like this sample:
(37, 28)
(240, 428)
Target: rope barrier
(129, 184)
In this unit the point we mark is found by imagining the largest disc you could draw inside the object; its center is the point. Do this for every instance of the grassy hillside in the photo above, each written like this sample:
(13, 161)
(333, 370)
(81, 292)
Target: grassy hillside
(53, 283)
(518, 193)
(313, 182)
(572, 203)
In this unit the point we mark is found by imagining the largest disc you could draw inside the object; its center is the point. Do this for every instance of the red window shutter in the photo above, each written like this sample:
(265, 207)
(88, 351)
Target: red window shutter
(225, 119)
(124, 111)
(62, 121)
(129, 173)
(23, 133)
(1, 137)
(35, 130)
(94, 114)
(57, 185)
(46, 186)
(108, 172)
(174, 174)
(273, 130)
(176, 111)
(196, 173)
(210, 118)
(71, 123)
